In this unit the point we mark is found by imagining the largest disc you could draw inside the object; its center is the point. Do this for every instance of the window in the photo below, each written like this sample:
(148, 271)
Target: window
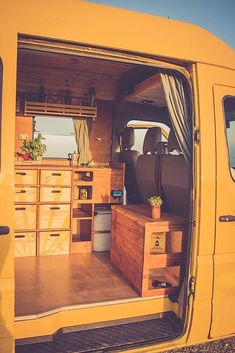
(141, 128)
(229, 109)
(58, 133)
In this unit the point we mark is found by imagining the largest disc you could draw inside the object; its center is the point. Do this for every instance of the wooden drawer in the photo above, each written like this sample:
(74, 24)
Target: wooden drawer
(25, 244)
(54, 243)
(56, 177)
(55, 194)
(23, 176)
(54, 216)
(25, 194)
(25, 217)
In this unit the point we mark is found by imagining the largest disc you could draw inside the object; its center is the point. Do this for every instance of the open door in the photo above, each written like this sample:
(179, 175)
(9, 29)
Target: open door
(223, 309)
(6, 223)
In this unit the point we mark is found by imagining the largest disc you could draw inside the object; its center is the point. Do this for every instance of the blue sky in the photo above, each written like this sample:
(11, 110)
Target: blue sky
(217, 16)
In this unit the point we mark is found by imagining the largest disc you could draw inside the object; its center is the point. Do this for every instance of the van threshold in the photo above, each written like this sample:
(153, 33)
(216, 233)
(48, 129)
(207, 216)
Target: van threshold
(107, 339)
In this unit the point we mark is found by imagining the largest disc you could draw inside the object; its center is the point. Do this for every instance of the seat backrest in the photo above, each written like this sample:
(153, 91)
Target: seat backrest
(129, 157)
(175, 180)
(147, 165)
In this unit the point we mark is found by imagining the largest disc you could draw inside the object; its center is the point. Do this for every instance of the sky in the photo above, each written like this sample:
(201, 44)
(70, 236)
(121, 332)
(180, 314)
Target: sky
(217, 16)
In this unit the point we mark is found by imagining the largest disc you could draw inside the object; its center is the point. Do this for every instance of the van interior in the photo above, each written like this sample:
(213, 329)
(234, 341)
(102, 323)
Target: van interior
(84, 232)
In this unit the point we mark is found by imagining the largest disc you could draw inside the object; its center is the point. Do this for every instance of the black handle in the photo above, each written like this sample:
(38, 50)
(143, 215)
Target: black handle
(54, 235)
(20, 173)
(19, 236)
(20, 208)
(54, 208)
(227, 218)
(20, 191)
(4, 230)
(55, 191)
(56, 174)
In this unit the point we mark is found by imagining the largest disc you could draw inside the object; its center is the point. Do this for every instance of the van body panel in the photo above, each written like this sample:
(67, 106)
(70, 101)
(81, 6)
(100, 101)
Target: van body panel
(106, 26)
(8, 58)
(72, 22)
(223, 314)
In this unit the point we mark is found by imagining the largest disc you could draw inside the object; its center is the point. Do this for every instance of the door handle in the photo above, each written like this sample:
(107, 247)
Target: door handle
(4, 230)
(227, 218)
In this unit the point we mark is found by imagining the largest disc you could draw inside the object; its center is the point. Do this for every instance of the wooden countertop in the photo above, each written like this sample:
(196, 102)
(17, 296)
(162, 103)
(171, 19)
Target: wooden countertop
(141, 214)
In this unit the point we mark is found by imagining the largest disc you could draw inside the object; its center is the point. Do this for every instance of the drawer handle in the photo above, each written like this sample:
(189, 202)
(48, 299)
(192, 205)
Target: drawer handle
(55, 235)
(20, 173)
(54, 208)
(19, 236)
(56, 191)
(56, 174)
(20, 208)
(20, 191)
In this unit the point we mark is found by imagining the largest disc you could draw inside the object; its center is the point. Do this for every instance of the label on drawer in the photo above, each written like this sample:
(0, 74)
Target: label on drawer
(158, 243)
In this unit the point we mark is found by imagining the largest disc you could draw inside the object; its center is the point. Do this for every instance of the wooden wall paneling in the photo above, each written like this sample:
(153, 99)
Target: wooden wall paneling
(101, 132)
(23, 126)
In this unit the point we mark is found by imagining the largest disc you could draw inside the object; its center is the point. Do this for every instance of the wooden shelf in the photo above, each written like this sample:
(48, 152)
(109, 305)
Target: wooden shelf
(80, 214)
(58, 109)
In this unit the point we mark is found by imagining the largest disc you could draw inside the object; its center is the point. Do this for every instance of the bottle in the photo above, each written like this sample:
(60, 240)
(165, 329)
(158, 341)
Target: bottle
(41, 95)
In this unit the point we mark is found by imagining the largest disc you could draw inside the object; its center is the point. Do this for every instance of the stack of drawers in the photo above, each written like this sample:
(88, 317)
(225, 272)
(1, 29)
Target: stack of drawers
(42, 212)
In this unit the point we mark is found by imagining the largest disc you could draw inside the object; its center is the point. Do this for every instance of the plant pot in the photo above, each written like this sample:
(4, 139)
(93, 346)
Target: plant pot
(156, 212)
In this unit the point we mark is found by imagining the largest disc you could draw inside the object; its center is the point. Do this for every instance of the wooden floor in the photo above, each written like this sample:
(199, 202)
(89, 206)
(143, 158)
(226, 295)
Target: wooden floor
(45, 283)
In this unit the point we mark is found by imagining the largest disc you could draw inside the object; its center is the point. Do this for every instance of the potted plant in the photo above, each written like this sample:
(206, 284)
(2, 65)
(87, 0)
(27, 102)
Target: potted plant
(34, 148)
(155, 202)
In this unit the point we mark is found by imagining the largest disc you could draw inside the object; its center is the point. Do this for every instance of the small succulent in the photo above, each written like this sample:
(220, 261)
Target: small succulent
(155, 201)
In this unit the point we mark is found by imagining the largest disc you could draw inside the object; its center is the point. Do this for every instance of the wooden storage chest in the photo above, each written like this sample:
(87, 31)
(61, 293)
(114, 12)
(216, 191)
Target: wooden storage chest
(150, 253)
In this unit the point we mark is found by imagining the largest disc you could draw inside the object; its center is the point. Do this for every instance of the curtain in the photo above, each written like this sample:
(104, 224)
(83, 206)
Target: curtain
(82, 139)
(179, 102)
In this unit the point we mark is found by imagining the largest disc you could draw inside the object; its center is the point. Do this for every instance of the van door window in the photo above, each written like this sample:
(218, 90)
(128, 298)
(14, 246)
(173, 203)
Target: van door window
(229, 110)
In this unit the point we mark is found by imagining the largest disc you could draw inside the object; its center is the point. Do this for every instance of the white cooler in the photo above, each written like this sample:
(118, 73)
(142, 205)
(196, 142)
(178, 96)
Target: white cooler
(102, 228)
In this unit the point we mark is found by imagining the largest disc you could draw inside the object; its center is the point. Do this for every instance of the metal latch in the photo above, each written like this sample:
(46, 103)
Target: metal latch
(192, 284)
(196, 136)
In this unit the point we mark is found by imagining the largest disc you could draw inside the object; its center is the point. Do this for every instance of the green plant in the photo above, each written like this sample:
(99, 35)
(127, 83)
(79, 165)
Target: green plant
(34, 148)
(155, 201)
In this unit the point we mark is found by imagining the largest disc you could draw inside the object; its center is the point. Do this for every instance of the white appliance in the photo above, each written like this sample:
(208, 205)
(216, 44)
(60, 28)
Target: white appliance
(102, 228)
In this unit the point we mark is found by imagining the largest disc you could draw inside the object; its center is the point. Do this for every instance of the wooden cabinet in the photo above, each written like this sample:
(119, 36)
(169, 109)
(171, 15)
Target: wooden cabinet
(42, 202)
(150, 253)
(54, 208)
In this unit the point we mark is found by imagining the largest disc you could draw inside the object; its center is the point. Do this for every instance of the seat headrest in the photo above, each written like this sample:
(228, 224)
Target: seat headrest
(128, 138)
(172, 142)
(152, 137)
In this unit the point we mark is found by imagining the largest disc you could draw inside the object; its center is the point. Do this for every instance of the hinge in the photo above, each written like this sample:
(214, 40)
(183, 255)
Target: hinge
(191, 285)
(196, 136)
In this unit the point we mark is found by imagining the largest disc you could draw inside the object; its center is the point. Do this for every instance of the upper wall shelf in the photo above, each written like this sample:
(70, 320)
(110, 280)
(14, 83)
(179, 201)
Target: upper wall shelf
(149, 91)
(59, 109)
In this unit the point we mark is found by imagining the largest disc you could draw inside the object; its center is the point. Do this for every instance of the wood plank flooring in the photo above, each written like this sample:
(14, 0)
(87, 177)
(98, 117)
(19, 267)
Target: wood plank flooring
(49, 282)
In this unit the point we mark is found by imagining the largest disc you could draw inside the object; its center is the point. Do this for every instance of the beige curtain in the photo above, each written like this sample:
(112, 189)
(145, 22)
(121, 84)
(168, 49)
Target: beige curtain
(82, 139)
(179, 103)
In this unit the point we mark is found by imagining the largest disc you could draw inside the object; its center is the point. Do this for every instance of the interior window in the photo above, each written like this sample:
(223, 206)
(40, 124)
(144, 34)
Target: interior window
(58, 133)
(229, 108)
(141, 128)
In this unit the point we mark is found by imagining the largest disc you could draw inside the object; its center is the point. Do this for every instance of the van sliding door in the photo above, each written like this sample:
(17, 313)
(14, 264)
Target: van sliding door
(223, 308)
